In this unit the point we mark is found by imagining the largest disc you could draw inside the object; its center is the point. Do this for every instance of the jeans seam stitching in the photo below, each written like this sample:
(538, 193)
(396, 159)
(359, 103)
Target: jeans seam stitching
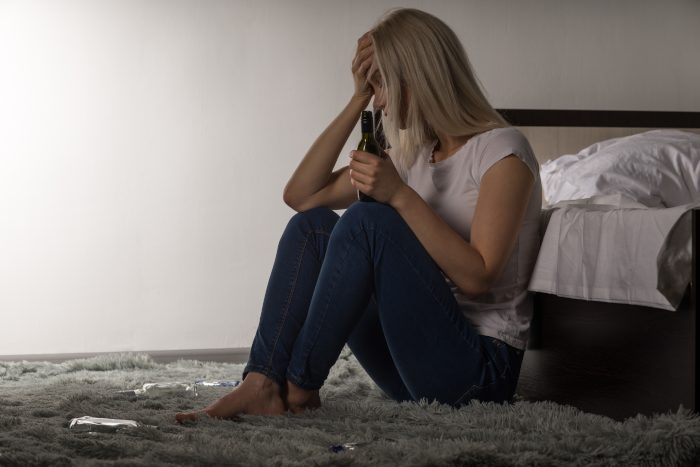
(289, 300)
(498, 345)
(322, 232)
(472, 389)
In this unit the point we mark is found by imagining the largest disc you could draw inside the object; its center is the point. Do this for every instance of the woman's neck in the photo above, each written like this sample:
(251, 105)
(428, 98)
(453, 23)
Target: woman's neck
(448, 145)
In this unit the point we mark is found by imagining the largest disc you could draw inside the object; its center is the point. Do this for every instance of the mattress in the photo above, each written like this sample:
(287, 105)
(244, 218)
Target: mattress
(612, 249)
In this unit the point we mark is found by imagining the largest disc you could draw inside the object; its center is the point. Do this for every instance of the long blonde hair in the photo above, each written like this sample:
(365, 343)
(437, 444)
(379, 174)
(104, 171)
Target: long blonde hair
(416, 51)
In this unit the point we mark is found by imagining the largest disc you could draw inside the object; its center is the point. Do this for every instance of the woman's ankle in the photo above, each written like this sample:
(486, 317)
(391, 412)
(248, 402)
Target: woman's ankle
(261, 382)
(298, 397)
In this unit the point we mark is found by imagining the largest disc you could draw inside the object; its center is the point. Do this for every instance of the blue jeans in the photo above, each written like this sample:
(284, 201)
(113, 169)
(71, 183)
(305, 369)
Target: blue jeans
(365, 279)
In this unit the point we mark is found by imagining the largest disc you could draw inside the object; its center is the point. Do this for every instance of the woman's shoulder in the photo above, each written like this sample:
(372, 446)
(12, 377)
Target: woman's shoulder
(502, 142)
(507, 133)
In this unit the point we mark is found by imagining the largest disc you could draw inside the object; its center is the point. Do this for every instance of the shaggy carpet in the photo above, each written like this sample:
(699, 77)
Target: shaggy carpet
(39, 399)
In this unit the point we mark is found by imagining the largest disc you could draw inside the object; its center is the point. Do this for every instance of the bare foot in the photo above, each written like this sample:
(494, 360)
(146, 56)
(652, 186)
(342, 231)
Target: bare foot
(299, 400)
(260, 396)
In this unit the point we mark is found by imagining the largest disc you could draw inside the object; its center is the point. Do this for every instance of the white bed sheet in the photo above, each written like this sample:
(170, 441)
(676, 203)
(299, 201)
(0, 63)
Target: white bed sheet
(612, 249)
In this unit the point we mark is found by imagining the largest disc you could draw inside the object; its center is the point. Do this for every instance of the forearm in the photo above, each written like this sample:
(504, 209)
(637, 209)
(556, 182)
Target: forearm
(316, 167)
(457, 259)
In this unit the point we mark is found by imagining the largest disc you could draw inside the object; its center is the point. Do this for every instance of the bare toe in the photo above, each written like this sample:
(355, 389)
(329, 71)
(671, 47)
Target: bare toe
(183, 417)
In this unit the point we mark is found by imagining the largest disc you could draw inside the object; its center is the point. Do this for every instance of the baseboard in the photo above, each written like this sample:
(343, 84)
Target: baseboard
(237, 355)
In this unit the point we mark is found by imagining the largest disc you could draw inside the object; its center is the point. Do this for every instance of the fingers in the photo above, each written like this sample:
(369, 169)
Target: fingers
(363, 157)
(364, 40)
(366, 52)
(360, 186)
(360, 170)
(361, 178)
(363, 44)
(363, 62)
(364, 163)
(372, 70)
(364, 69)
(362, 56)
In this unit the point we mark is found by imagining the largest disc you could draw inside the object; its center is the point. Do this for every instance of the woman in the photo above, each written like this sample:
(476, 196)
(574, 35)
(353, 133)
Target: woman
(427, 286)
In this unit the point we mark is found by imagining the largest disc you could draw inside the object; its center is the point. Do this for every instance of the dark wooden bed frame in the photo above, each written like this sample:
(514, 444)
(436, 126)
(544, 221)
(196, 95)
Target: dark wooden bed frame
(613, 359)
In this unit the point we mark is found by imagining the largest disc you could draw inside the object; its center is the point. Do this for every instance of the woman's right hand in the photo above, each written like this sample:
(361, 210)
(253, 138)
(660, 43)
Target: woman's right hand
(362, 64)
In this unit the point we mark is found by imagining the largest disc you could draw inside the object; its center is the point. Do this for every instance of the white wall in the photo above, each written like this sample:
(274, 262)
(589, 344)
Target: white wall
(144, 145)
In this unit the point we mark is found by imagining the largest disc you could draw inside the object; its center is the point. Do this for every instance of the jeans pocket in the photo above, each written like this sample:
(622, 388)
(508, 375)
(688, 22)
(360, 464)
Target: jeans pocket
(498, 355)
(495, 380)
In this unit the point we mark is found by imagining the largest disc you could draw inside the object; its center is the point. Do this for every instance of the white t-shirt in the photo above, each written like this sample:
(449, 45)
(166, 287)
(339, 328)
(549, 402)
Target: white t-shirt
(451, 188)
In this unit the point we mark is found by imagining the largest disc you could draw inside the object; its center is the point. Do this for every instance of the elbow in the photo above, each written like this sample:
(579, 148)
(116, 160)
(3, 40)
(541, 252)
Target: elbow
(289, 201)
(290, 196)
(286, 195)
(478, 280)
(474, 286)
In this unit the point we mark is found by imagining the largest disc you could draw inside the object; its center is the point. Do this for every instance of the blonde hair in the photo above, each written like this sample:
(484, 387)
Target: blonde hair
(424, 65)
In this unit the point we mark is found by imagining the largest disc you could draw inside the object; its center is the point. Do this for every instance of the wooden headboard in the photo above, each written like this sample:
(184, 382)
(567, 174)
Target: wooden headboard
(553, 133)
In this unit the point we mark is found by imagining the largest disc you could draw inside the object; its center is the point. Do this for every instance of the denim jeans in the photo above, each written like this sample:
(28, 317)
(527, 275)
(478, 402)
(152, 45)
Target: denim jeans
(365, 279)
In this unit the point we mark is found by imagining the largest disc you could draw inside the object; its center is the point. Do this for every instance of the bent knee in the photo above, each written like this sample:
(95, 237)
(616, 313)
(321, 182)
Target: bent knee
(319, 217)
(363, 212)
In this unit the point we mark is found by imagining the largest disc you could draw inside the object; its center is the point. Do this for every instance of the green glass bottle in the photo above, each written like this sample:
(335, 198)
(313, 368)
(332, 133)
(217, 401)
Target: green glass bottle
(367, 144)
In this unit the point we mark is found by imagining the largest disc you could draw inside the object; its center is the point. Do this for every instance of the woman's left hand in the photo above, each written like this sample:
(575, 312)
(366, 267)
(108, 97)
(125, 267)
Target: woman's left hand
(375, 176)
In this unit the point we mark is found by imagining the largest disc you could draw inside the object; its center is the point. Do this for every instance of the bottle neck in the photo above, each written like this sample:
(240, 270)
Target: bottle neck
(367, 122)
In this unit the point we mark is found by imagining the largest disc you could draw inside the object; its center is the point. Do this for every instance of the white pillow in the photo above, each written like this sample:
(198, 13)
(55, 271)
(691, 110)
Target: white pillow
(659, 168)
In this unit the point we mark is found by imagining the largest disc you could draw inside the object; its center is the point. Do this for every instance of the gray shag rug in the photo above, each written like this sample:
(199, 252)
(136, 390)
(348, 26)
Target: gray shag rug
(39, 399)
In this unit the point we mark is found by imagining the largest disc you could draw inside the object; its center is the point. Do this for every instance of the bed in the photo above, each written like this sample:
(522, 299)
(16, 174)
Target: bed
(607, 358)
